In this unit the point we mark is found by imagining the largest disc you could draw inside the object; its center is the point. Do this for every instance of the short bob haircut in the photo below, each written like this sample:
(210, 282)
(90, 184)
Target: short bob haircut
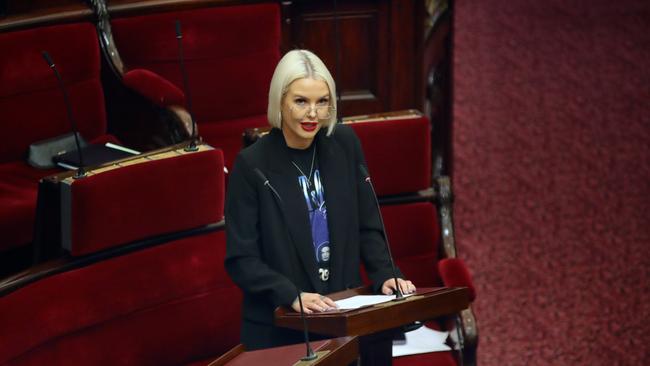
(298, 64)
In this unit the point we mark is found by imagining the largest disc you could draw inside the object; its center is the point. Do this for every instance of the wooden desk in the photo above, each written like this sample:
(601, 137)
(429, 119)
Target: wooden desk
(376, 324)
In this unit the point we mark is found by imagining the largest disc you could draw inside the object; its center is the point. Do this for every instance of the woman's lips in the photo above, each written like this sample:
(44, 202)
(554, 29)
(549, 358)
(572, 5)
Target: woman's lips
(309, 126)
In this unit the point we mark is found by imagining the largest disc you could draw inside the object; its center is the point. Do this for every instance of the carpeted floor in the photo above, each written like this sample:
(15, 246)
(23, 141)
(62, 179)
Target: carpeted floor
(552, 178)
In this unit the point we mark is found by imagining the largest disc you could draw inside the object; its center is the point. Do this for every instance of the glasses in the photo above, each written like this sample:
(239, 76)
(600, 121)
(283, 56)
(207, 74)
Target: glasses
(300, 111)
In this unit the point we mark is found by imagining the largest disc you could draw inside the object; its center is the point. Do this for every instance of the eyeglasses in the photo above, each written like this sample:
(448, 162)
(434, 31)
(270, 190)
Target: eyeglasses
(300, 111)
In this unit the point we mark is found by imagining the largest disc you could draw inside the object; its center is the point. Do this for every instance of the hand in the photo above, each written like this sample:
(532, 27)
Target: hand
(185, 118)
(312, 302)
(405, 286)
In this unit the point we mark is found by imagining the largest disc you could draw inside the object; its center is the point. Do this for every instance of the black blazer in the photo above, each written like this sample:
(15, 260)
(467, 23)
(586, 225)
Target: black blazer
(262, 259)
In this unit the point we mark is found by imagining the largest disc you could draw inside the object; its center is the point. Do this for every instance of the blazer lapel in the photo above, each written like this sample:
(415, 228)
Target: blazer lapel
(332, 162)
(285, 180)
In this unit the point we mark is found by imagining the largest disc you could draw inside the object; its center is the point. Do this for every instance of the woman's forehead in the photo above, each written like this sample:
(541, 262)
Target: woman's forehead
(308, 87)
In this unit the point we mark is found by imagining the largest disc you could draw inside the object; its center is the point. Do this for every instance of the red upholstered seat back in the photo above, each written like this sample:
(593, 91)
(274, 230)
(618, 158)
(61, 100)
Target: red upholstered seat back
(31, 103)
(166, 305)
(398, 153)
(171, 303)
(414, 234)
(143, 200)
(230, 53)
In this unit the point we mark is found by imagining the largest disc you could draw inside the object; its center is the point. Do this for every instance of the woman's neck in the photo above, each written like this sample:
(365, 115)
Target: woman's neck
(298, 144)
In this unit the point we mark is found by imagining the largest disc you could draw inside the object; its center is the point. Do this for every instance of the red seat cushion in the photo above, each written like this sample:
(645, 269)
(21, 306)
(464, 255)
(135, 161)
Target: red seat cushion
(454, 273)
(154, 87)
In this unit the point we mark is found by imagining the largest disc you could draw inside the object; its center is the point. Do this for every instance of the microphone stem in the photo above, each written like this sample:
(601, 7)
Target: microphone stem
(80, 171)
(310, 353)
(398, 292)
(179, 37)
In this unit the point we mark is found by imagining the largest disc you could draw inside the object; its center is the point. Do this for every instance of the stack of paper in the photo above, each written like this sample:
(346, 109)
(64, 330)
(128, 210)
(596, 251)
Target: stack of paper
(422, 340)
(359, 301)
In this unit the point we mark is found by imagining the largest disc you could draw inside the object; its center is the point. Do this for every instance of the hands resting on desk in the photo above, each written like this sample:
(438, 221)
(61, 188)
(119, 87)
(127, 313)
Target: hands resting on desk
(313, 302)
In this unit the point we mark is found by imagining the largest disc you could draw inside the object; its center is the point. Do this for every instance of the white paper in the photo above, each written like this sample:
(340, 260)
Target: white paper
(422, 340)
(358, 301)
(121, 148)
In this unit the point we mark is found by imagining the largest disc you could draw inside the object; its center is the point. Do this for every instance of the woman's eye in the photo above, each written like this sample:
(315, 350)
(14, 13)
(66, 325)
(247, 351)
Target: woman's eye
(300, 101)
(323, 102)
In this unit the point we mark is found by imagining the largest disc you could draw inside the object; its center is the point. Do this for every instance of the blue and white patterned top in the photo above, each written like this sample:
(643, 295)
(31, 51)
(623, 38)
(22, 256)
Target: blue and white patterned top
(315, 199)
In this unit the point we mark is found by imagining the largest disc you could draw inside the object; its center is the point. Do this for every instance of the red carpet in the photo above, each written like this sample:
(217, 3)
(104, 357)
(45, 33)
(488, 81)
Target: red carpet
(552, 178)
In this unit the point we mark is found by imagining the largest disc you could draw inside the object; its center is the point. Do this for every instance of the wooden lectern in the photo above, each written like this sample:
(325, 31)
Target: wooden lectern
(332, 352)
(375, 325)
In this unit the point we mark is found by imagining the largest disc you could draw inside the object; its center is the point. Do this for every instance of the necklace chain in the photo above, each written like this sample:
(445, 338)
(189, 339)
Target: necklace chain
(311, 169)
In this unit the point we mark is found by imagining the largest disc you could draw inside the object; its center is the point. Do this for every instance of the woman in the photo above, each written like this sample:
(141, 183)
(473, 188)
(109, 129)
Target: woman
(308, 229)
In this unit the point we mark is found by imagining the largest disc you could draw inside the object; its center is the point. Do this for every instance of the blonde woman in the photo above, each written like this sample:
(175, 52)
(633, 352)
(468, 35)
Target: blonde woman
(310, 235)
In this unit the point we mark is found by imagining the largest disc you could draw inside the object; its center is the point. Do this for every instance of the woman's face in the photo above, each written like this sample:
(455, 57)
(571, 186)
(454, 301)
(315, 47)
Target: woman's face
(305, 108)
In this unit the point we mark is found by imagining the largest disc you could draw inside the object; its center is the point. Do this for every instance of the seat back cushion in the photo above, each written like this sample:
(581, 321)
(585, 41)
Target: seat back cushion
(398, 154)
(165, 305)
(414, 235)
(140, 201)
(230, 53)
(31, 103)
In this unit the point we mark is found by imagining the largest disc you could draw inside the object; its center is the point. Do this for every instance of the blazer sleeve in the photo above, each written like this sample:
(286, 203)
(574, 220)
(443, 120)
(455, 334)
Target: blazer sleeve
(372, 244)
(243, 253)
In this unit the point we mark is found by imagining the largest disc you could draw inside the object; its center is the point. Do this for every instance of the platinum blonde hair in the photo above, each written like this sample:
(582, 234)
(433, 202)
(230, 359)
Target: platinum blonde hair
(298, 64)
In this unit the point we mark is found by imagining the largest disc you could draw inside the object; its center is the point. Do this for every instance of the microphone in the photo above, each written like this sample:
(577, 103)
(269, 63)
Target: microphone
(310, 352)
(268, 184)
(179, 37)
(364, 173)
(80, 171)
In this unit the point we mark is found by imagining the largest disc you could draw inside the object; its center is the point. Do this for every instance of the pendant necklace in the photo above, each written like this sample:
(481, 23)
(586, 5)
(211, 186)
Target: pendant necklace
(311, 169)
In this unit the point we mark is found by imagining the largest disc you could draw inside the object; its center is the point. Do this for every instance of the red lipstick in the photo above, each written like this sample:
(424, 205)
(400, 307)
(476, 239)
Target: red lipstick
(309, 126)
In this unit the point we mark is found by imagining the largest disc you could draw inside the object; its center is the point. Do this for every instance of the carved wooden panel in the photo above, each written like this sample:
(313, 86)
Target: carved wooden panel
(380, 43)
(363, 51)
